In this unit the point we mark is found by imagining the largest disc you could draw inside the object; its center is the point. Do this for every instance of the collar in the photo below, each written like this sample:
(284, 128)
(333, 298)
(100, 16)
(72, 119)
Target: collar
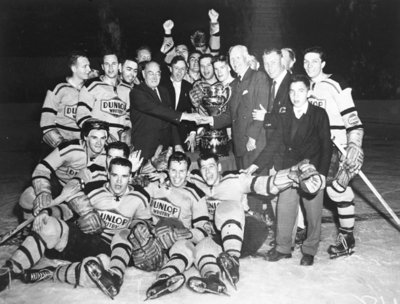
(279, 79)
(242, 76)
(298, 112)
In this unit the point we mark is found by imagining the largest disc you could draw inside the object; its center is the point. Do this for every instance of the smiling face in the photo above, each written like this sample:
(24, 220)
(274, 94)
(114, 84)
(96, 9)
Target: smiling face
(222, 70)
(298, 93)
(129, 71)
(178, 70)
(210, 171)
(152, 75)
(96, 140)
(238, 61)
(177, 172)
(82, 68)
(110, 66)
(119, 177)
(313, 65)
(206, 68)
(194, 62)
(273, 64)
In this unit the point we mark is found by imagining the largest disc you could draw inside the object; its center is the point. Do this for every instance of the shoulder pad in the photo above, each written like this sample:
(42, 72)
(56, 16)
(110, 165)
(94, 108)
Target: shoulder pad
(90, 81)
(141, 190)
(68, 143)
(91, 186)
(198, 191)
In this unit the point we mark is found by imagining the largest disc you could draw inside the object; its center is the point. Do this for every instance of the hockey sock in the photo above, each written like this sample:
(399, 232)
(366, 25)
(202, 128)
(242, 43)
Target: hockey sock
(176, 264)
(232, 237)
(121, 253)
(346, 216)
(69, 273)
(28, 254)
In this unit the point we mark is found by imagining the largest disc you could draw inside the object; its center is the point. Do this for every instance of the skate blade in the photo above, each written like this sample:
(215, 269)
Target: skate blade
(343, 254)
(95, 278)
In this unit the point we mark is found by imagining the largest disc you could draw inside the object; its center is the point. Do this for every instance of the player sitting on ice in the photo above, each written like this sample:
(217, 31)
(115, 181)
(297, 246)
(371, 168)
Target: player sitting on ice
(104, 212)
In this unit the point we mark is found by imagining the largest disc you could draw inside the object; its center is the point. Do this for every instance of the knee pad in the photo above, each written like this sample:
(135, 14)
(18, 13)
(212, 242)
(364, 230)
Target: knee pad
(228, 211)
(207, 247)
(346, 196)
(185, 249)
(54, 234)
(26, 199)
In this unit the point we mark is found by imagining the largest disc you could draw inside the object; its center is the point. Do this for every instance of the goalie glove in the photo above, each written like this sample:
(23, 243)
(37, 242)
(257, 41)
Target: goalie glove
(168, 236)
(147, 253)
(91, 223)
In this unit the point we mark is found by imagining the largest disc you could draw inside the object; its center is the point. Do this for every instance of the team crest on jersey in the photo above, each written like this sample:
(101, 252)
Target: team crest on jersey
(317, 102)
(212, 204)
(70, 111)
(164, 208)
(71, 172)
(113, 220)
(115, 107)
(353, 119)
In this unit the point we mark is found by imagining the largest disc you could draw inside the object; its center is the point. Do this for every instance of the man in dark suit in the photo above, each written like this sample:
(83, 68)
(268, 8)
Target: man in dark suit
(302, 133)
(152, 116)
(178, 90)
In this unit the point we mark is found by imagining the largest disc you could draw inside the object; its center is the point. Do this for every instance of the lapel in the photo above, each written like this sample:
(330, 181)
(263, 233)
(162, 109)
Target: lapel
(153, 93)
(241, 88)
(282, 91)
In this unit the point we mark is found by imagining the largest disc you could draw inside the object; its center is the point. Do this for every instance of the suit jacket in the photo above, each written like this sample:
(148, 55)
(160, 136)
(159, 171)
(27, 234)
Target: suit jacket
(311, 140)
(152, 120)
(282, 101)
(247, 95)
(184, 105)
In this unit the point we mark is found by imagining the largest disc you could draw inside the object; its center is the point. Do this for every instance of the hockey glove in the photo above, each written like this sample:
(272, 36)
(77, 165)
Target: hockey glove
(147, 253)
(91, 223)
(168, 236)
(42, 201)
(354, 158)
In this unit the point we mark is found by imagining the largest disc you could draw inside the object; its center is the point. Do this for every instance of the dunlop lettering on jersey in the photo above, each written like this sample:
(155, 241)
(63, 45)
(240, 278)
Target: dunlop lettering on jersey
(71, 172)
(212, 205)
(114, 220)
(318, 102)
(115, 107)
(164, 208)
(70, 111)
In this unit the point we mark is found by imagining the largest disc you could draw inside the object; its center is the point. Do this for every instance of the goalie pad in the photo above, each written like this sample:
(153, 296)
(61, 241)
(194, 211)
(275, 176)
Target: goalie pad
(53, 138)
(91, 223)
(147, 253)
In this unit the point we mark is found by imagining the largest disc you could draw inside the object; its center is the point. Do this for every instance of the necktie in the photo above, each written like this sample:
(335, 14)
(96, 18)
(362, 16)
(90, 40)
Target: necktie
(271, 97)
(157, 93)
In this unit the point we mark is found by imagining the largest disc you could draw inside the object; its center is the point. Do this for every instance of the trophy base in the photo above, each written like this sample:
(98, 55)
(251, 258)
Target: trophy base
(216, 142)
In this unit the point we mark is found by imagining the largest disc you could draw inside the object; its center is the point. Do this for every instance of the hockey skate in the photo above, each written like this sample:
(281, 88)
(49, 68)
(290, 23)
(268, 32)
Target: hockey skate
(108, 282)
(209, 284)
(38, 275)
(165, 286)
(344, 246)
(230, 267)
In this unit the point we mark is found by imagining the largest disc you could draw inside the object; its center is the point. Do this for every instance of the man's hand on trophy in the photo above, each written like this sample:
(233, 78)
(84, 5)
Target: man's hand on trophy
(259, 114)
(190, 117)
(251, 144)
(168, 26)
(191, 141)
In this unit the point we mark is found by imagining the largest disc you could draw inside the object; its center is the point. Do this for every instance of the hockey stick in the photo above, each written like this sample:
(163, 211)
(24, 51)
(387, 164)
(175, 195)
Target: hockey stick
(372, 188)
(58, 200)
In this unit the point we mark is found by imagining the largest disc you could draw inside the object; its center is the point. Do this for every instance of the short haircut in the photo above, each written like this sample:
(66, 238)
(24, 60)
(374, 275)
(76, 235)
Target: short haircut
(94, 124)
(142, 48)
(194, 52)
(146, 63)
(74, 56)
(121, 162)
(109, 53)
(205, 156)
(272, 50)
(177, 59)
(179, 157)
(300, 78)
(118, 145)
(291, 53)
(206, 56)
(220, 58)
(318, 50)
(128, 59)
(244, 51)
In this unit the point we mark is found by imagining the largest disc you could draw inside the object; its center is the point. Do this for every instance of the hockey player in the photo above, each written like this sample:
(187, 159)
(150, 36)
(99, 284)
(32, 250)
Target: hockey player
(347, 131)
(180, 212)
(57, 121)
(105, 212)
(106, 99)
(63, 164)
(128, 70)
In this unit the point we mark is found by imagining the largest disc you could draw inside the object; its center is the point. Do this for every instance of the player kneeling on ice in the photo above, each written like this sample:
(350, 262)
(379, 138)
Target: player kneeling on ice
(104, 212)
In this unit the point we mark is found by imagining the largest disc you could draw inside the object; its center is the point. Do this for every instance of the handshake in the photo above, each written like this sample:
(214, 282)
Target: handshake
(198, 118)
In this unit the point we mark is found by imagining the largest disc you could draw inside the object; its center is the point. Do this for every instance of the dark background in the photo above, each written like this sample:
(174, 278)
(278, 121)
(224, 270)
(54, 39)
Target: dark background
(361, 36)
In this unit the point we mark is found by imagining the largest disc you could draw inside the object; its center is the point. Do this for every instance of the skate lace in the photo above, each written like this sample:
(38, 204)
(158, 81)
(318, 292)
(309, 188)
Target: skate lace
(40, 275)
(341, 240)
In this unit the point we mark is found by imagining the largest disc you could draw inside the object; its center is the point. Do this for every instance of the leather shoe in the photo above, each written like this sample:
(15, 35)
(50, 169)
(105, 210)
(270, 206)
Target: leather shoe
(274, 255)
(307, 260)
